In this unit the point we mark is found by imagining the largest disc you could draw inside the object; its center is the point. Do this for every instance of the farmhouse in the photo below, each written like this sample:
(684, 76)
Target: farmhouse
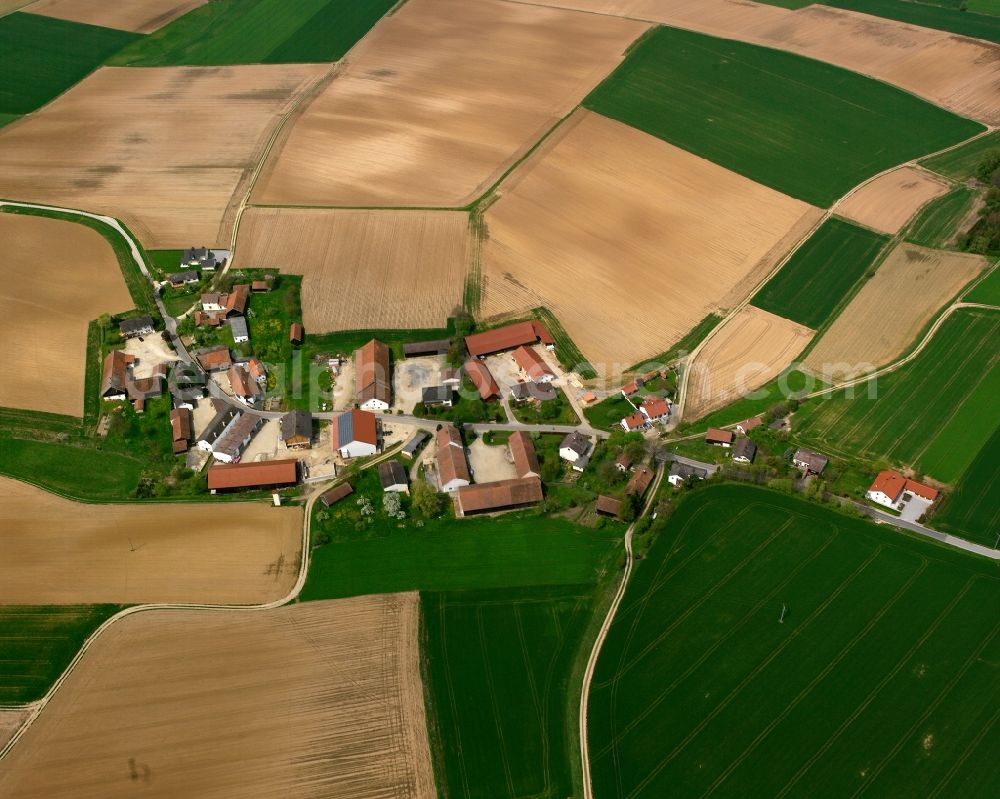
(373, 380)
(502, 495)
(522, 452)
(453, 468)
(202, 258)
(257, 370)
(145, 388)
(181, 426)
(507, 338)
(235, 302)
(679, 472)
(245, 388)
(356, 434)
(267, 474)
(234, 439)
(296, 430)
(415, 349)
(140, 326)
(214, 359)
(631, 389)
(890, 487)
(655, 409)
(414, 444)
(531, 366)
(482, 380)
(744, 451)
(810, 462)
(213, 301)
(639, 481)
(393, 476)
(608, 506)
(540, 392)
(624, 462)
(296, 333)
(114, 380)
(747, 425)
(179, 279)
(207, 318)
(719, 438)
(437, 395)
(335, 494)
(574, 447)
(633, 422)
(238, 326)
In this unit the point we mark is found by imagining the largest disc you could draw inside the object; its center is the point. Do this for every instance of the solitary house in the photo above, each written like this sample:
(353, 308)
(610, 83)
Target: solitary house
(890, 487)
(810, 462)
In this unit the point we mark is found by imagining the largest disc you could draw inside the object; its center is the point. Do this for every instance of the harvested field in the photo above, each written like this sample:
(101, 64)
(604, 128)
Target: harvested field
(889, 201)
(57, 277)
(628, 240)
(152, 147)
(887, 315)
(751, 349)
(10, 722)
(437, 101)
(363, 269)
(141, 16)
(60, 552)
(951, 71)
(316, 700)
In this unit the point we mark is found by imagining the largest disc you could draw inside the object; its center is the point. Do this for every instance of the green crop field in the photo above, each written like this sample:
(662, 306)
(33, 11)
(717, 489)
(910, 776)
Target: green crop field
(961, 163)
(741, 106)
(501, 668)
(972, 510)
(38, 642)
(933, 414)
(928, 15)
(938, 222)
(988, 291)
(41, 57)
(821, 273)
(257, 32)
(883, 677)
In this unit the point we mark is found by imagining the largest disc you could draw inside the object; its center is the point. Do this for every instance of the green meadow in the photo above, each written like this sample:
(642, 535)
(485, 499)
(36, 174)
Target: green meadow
(938, 222)
(972, 509)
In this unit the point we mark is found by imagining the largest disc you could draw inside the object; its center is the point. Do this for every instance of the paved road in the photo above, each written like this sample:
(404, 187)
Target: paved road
(711, 468)
(919, 529)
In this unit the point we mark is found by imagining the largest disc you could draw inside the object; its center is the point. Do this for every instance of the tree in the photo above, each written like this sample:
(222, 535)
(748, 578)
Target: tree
(636, 450)
(988, 166)
(425, 499)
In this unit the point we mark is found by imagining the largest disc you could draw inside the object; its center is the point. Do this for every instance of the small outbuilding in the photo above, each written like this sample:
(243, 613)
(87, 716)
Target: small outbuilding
(335, 494)
(296, 429)
(393, 477)
(744, 451)
(719, 438)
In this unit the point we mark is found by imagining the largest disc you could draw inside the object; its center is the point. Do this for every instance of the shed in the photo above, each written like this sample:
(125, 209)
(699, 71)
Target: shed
(296, 333)
(335, 494)
(266, 474)
(609, 506)
(414, 444)
(719, 438)
(414, 349)
(393, 477)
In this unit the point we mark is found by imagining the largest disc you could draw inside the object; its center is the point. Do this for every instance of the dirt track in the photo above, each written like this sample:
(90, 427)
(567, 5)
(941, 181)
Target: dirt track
(58, 276)
(629, 240)
(62, 552)
(315, 700)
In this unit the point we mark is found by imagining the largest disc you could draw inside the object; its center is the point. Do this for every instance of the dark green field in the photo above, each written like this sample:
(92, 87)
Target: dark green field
(257, 32)
(961, 163)
(928, 15)
(741, 106)
(821, 273)
(501, 665)
(972, 510)
(41, 57)
(883, 678)
(939, 221)
(39, 642)
(988, 291)
(933, 414)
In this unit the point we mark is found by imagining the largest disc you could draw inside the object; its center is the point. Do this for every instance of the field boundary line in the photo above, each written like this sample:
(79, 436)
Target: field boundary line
(588, 676)
(965, 756)
(35, 708)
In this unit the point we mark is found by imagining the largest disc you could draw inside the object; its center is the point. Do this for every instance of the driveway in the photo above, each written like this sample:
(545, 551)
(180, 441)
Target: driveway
(490, 462)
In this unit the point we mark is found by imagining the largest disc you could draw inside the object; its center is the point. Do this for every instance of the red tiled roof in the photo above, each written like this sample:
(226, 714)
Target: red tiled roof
(750, 424)
(253, 475)
(115, 375)
(181, 424)
(531, 363)
(635, 421)
(609, 505)
(217, 358)
(236, 300)
(372, 378)
(523, 451)
(630, 388)
(715, 435)
(482, 379)
(296, 333)
(336, 494)
(240, 381)
(640, 480)
(656, 407)
(364, 425)
(452, 464)
(507, 338)
(487, 497)
(893, 484)
(257, 369)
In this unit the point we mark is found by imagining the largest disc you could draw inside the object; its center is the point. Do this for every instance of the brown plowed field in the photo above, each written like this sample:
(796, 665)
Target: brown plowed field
(57, 552)
(437, 100)
(751, 349)
(888, 202)
(630, 241)
(141, 16)
(168, 151)
(887, 315)
(10, 722)
(57, 276)
(955, 72)
(363, 269)
(314, 700)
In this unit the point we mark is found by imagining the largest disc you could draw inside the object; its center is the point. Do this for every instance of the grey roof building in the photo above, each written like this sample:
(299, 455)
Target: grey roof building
(393, 477)
(238, 326)
(139, 326)
(437, 395)
(414, 444)
(744, 451)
